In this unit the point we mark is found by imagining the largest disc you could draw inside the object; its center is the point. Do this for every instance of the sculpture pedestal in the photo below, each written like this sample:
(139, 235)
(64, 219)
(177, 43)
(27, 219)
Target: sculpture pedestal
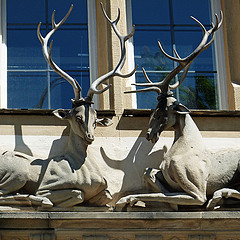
(219, 225)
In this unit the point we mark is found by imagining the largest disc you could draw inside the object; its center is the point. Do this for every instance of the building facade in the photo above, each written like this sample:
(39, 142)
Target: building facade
(86, 47)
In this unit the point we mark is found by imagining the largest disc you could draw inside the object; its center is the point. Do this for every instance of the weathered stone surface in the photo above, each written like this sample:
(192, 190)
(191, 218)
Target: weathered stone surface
(114, 226)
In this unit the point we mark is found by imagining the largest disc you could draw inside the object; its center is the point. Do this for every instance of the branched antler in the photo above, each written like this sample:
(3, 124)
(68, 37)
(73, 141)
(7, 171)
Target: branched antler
(184, 63)
(94, 86)
(117, 70)
(47, 53)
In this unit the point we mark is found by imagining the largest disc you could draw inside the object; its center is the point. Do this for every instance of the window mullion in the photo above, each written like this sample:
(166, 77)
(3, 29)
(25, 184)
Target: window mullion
(222, 88)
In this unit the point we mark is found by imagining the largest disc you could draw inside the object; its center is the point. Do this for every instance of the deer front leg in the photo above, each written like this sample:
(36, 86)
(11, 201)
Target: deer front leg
(64, 197)
(219, 194)
(155, 180)
(171, 198)
(101, 199)
(25, 200)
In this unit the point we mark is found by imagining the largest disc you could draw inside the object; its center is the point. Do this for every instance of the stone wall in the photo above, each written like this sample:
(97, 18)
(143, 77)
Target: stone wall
(116, 226)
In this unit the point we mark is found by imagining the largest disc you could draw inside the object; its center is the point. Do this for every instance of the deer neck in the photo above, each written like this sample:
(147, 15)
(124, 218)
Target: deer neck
(187, 134)
(76, 147)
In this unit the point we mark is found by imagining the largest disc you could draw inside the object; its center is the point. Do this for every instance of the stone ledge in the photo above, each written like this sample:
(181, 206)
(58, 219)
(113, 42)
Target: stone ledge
(193, 113)
(45, 112)
(122, 215)
(217, 225)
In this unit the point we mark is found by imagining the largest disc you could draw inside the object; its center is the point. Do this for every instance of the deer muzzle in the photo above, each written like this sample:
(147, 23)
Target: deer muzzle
(89, 138)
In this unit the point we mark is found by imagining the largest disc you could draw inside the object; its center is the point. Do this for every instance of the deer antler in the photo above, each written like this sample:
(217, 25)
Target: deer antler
(94, 87)
(184, 63)
(117, 70)
(48, 57)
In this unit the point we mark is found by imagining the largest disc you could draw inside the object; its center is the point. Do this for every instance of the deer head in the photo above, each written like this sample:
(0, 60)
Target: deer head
(167, 109)
(82, 116)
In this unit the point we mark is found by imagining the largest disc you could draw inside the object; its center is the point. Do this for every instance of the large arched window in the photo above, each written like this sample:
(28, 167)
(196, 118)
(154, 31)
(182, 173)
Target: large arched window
(169, 22)
(30, 81)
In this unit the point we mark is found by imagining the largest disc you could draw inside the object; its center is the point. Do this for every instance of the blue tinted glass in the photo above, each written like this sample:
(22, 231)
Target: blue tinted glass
(198, 91)
(70, 49)
(148, 99)
(147, 53)
(26, 52)
(26, 11)
(182, 10)
(25, 89)
(150, 12)
(186, 43)
(78, 14)
(62, 91)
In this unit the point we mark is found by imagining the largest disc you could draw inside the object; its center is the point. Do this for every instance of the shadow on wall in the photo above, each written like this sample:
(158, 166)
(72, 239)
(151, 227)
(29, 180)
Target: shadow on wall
(141, 156)
(20, 145)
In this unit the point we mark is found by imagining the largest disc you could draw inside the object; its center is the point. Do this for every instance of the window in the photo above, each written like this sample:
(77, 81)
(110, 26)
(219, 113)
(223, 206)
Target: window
(30, 81)
(169, 22)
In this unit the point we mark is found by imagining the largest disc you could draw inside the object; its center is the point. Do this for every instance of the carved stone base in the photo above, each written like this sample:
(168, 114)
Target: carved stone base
(120, 225)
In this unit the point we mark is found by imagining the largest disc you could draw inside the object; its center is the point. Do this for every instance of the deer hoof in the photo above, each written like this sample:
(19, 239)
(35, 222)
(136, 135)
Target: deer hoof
(122, 202)
(213, 202)
(46, 203)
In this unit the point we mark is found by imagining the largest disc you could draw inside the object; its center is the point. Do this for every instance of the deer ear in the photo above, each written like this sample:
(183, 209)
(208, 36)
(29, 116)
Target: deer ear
(104, 122)
(62, 114)
(181, 109)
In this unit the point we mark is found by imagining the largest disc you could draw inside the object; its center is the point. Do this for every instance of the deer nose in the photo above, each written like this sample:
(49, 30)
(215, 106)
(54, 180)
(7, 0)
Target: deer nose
(90, 136)
(148, 136)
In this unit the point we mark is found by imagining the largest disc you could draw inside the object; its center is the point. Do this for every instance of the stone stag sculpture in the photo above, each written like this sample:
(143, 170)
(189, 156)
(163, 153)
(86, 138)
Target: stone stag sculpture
(73, 177)
(189, 174)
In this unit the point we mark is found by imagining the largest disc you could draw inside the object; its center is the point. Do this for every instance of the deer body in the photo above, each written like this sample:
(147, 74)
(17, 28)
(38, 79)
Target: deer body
(66, 180)
(206, 171)
(187, 152)
(192, 174)
(76, 168)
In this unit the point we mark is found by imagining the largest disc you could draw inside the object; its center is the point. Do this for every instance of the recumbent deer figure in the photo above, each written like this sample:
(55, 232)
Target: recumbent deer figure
(73, 177)
(189, 174)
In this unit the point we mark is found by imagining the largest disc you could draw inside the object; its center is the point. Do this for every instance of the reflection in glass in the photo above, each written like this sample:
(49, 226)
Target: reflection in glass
(25, 89)
(198, 91)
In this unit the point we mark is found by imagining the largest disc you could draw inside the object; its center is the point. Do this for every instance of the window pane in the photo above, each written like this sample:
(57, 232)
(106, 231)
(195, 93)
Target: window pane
(70, 49)
(199, 91)
(148, 100)
(24, 50)
(182, 10)
(187, 42)
(26, 11)
(78, 14)
(25, 89)
(150, 12)
(62, 91)
(147, 53)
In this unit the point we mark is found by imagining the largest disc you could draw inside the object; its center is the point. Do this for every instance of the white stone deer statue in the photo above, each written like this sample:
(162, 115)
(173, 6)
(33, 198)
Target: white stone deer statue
(189, 174)
(73, 177)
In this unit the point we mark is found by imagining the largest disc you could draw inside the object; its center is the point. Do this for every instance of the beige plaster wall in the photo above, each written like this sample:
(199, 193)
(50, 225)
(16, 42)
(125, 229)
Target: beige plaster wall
(231, 30)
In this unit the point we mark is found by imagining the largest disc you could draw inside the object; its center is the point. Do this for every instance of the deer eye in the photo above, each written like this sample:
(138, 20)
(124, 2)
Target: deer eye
(80, 119)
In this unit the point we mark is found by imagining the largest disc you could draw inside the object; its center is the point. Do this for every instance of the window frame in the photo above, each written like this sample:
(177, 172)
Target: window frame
(92, 51)
(3, 54)
(219, 54)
